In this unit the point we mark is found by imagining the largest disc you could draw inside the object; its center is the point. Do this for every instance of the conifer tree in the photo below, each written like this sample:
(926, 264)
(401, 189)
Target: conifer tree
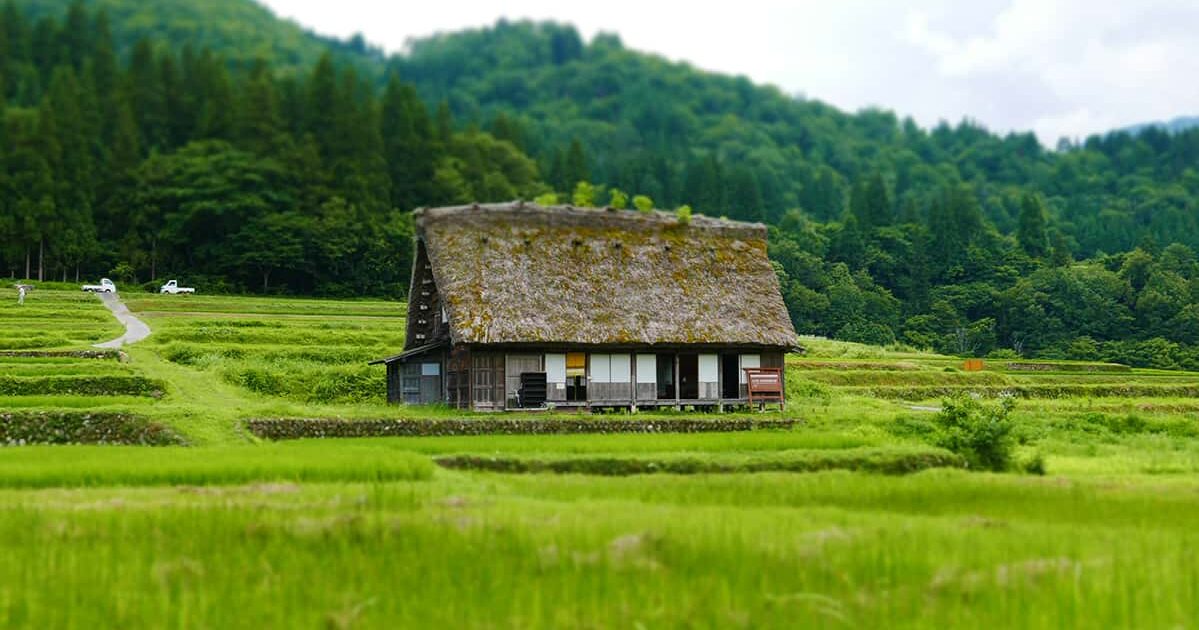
(1031, 231)
(147, 98)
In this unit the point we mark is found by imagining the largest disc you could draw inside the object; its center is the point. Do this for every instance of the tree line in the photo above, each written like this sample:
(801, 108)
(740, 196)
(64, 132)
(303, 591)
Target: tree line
(173, 161)
(168, 160)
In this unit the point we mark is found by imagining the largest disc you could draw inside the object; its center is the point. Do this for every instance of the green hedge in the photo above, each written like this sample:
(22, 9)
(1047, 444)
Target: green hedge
(875, 460)
(76, 427)
(293, 428)
(81, 386)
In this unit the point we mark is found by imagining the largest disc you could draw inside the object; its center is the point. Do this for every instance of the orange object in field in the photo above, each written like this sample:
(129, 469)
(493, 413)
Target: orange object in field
(973, 365)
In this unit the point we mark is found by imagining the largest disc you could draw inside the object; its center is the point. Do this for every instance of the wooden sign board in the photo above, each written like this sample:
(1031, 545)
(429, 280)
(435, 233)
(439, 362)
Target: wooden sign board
(764, 385)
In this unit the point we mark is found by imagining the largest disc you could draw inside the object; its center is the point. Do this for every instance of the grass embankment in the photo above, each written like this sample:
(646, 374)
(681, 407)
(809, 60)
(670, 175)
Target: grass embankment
(889, 460)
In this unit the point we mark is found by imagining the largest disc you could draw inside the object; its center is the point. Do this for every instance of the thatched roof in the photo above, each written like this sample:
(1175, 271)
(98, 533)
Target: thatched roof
(523, 273)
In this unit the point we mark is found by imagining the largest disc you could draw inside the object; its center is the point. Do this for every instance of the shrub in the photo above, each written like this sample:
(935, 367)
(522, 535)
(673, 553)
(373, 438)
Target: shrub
(862, 331)
(643, 203)
(980, 433)
(683, 214)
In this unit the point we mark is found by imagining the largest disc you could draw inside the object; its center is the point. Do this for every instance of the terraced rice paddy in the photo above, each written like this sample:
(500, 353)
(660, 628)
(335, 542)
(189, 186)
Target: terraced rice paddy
(616, 530)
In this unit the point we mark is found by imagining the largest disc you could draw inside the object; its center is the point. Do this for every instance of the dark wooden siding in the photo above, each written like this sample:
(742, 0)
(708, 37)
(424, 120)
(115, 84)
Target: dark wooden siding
(394, 391)
(426, 323)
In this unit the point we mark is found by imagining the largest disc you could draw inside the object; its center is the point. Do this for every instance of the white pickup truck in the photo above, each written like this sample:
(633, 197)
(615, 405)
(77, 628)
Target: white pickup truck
(172, 287)
(105, 286)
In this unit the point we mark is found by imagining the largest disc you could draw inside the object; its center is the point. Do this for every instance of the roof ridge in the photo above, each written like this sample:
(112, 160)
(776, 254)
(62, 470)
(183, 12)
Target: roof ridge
(660, 217)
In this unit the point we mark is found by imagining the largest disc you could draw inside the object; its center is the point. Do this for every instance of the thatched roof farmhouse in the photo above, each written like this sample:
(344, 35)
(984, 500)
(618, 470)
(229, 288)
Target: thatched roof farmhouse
(517, 304)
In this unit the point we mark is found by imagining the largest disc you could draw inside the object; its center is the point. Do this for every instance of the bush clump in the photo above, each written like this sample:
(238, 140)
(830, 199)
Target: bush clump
(41, 427)
(981, 433)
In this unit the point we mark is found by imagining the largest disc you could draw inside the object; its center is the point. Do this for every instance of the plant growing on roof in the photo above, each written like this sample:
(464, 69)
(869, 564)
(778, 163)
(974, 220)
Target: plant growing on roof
(643, 203)
(618, 199)
(584, 195)
(546, 199)
(683, 214)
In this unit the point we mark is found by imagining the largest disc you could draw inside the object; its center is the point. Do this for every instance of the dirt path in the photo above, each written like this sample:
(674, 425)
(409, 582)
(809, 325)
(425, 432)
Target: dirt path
(135, 329)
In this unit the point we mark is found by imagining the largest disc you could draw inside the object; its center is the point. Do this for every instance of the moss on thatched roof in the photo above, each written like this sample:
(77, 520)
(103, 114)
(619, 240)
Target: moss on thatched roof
(523, 273)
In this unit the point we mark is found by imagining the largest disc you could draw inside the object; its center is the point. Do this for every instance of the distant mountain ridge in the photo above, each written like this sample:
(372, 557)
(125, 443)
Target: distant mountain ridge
(241, 31)
(1174, 125)
(597, 111)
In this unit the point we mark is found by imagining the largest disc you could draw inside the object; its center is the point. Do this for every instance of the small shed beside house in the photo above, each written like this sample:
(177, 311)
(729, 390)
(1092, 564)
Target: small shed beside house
(518, 305)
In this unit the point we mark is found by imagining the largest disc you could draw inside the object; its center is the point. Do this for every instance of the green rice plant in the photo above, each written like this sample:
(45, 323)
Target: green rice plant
(801, 388)
(70, 466)
(937, 548)
(894, 378)
(358, 384)
(1059, 391)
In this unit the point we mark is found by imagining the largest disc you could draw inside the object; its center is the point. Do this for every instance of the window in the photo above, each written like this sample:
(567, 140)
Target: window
(647, 367)
(749, 361)
(708, 368)
(555, 368)
(410, 383)
(601, 368)
(621, 368)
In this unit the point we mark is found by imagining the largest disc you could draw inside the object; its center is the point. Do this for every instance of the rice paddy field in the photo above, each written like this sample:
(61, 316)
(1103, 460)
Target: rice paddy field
(851, 518)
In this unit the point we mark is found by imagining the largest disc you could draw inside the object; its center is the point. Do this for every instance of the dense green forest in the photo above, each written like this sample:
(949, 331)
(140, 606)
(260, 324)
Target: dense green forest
(261, 168)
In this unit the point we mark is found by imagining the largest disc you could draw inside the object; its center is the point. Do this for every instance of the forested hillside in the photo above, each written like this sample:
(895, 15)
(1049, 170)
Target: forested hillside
(241, 32)
(174, 154)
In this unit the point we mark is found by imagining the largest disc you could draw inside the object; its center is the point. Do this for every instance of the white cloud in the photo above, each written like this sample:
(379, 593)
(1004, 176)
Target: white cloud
(1058, 67)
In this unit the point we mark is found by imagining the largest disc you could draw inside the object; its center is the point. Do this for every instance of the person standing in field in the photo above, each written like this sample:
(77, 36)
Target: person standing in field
(20, 294)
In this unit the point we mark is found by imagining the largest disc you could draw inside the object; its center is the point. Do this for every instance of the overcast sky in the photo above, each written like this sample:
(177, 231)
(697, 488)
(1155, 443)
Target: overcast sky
(1057, 67)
